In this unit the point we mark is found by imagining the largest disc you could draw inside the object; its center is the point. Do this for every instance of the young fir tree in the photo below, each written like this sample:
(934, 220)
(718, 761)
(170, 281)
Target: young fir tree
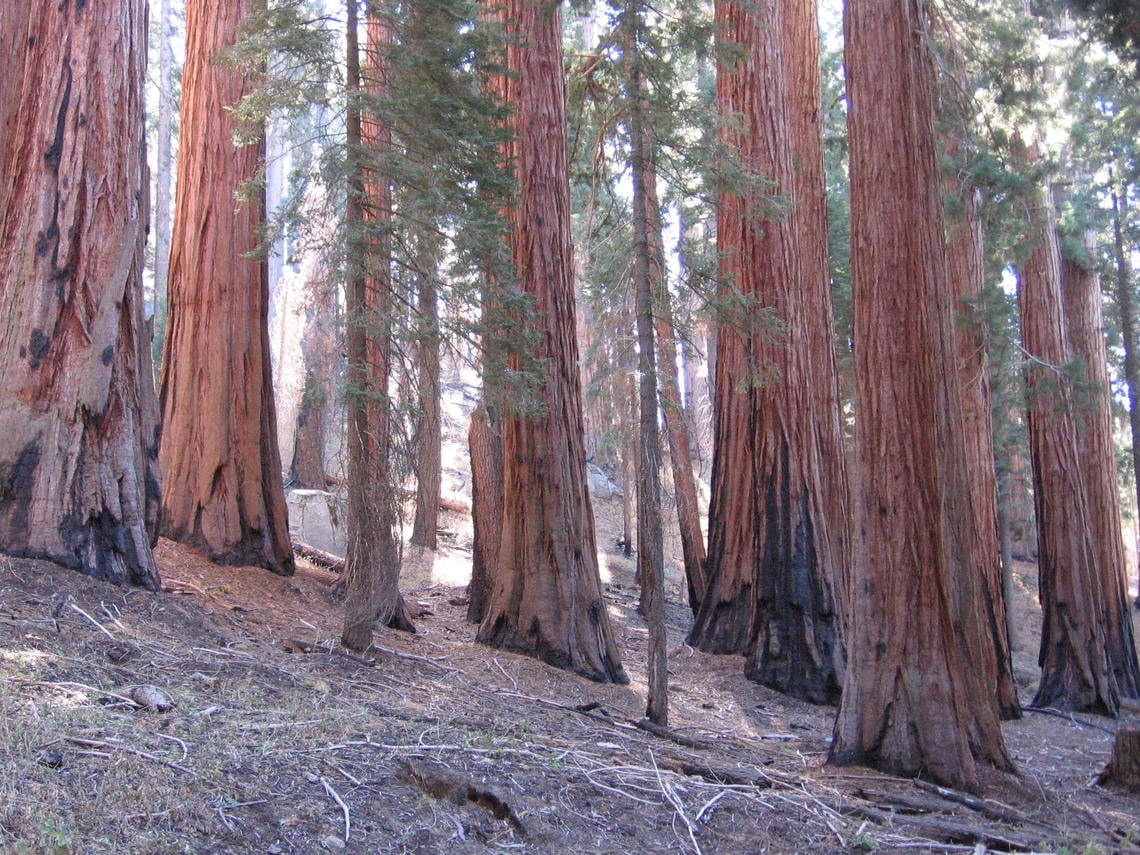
(423, 168)
(77, 450)
(372, 562)
(647, 269)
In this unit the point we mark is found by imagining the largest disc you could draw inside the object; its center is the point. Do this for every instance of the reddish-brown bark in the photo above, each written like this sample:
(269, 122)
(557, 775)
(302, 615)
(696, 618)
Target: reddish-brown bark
(676, 425)
(775, 521)
(1084, 327)
(78, 428)
(486, 449)
(909, 705)
(1075, 670)
(318, 347)
(648, 274)
(221, 466)
(980, 601)
(546, 596)
(428, 438)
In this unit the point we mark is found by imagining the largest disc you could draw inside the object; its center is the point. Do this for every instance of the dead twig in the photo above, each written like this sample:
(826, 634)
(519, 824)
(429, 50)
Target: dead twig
(344, 808)
(411, 657)
(116, 745)
(98, 625)
(677, 805)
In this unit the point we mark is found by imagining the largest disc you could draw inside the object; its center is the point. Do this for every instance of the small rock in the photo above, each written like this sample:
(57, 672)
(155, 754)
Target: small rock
(150, 698)
(51, 758)
(332, 844)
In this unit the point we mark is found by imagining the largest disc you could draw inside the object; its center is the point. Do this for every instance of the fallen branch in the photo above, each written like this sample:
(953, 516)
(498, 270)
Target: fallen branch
(327, 559)
(411, 657)
(344, 808)
(1068, 716)
(294, 645)
(115, 745)
(986, 807)
(664, 732)
(100, 626)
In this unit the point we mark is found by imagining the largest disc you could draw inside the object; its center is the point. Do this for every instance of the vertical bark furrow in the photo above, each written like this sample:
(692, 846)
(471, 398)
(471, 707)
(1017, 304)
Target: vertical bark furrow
(72, 232)
(222, 468)
(546, 581)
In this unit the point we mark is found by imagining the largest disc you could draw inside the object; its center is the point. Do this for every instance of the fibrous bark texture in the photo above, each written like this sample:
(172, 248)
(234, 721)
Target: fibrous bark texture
(648, 280)
(546, 597)
(776, 523)
(909, 704)
(428, 439)
(980, 608)
(486, 449)
(221, 466)
(1075, 671)
(1123, 769)
(1084, 326)
(78, 422)
(676, 424)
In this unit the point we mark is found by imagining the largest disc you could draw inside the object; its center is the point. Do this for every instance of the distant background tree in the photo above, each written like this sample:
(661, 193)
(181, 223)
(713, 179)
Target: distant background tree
(79, 427)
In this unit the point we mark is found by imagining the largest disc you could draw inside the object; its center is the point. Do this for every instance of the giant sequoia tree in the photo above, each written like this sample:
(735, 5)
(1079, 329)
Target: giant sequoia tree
(776, 521)
(1082, 658)
(78, 427)
(1084, 326)
(221, 466)
(910, 703)
(545, 596)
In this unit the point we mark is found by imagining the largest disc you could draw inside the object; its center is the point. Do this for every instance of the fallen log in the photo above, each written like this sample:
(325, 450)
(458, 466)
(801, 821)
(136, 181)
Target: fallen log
(326, 559)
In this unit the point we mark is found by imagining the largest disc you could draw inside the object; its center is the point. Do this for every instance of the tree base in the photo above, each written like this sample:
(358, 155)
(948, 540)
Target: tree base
(1123, 769)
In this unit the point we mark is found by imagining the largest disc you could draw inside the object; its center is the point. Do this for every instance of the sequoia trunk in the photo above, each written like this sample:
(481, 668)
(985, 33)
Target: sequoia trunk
(775, 531)
(221, 465)
(78, 430)
(909, 706)
(1084, 326)
(546, 597)
(980, 601)
(1076, 674)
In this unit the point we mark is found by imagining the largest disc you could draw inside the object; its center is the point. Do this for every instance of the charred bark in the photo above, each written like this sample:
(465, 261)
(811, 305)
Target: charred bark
(776, 527)
(78, 432)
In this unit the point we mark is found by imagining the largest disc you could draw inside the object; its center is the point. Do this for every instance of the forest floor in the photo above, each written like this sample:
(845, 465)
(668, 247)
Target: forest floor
(261, 735)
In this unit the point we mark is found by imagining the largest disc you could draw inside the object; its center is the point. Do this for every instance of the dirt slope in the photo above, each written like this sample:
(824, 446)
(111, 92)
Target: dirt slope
(275, 741)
